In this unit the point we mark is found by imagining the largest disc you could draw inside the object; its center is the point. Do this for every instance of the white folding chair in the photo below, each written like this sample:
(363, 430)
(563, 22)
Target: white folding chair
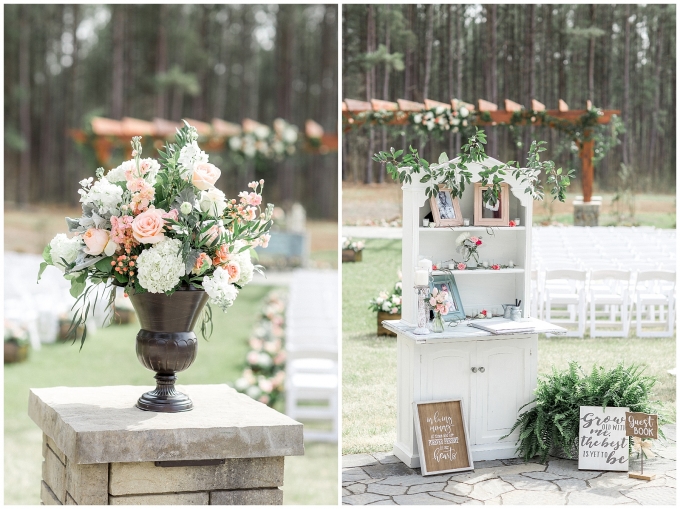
(609, 288)
(566, 288)
(655, 288)
(312, 389)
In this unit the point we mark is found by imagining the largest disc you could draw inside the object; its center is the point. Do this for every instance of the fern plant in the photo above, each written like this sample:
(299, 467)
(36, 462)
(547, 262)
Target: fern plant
(553, 423)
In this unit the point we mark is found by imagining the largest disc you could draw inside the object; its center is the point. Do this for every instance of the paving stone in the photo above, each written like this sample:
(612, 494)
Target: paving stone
(347, 483)
(670, 430)
(652, 496)
(384, 502)
(262, 496)
(614, 480)
(571, 484)
(525, 497)
(458, 488)
(412, 480)
(494, 501)
(356, 489)
(358, 460)
(423, 488)
(488, 464)
(456, 499)
(363, 499)
(164, 499)
(670, 473)
(420, 499)
(511, 469)
(346, 492)
(598, 496)
(354, 474)
(519, 482)
(473, 477)
(520, 461)
(393, 469)
(486, 490)
(569, 468)
(386, 489)
(386, 457)
(543, 476)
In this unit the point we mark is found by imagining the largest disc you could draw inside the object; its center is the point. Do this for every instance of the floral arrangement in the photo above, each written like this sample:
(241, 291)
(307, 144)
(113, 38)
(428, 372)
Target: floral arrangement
(259, 140)
(354, 245)
(439, 301)
(264, 375)
(388, 303)
(467, 245)
(155, 226)
(15, 333)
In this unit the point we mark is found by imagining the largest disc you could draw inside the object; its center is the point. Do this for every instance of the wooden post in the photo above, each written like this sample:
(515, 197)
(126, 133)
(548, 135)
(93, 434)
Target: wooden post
(586, 152)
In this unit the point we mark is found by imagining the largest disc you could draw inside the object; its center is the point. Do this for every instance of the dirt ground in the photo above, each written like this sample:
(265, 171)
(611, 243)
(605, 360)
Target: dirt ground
(380, 204)
(29, 230)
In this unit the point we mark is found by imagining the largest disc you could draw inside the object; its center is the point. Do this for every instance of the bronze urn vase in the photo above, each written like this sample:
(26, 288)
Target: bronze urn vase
(167, 344)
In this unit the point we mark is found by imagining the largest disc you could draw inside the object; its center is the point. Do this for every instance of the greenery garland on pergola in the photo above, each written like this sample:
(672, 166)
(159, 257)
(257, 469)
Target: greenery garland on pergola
(584, 127)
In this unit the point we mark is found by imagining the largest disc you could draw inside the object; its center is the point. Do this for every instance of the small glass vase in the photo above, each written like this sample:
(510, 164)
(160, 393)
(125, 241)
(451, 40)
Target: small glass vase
(437, 324)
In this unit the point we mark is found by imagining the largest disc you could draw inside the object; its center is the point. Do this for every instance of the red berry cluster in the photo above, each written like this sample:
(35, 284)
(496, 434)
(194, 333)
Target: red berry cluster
(125, 264)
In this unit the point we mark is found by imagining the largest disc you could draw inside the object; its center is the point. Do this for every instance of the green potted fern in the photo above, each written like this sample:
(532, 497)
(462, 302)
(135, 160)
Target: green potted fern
(551, 426)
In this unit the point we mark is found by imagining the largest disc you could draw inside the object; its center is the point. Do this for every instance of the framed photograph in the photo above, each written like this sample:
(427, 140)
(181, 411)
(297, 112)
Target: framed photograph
(496, 215)
(446, 209)
(446, 282)
(442, 437)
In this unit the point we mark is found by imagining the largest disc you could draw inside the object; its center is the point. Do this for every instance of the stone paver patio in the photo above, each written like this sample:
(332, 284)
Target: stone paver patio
(381, 479)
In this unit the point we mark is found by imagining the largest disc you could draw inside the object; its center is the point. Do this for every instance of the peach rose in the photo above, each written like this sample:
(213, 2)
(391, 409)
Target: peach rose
(205, 175)
(98, 241)
(147, 227)
(234, 271)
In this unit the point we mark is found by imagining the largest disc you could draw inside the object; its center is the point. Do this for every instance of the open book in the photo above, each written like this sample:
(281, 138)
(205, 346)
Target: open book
(502, 326)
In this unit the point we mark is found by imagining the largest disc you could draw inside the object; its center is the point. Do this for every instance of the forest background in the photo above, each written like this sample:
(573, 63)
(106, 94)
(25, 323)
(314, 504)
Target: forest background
(621, 57)
(67, 63)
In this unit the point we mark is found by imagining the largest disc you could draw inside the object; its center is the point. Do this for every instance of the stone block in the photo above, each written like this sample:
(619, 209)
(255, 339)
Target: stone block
(102, 425)
(267, 496)
(586, 214)
(49, 443)
(54, 475)
(70, 501)
(202, 498)
(47, 496)
(132, 478)
(88, 484)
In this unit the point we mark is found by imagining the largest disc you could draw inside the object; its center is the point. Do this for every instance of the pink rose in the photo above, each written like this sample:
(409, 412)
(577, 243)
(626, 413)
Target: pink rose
(496, 267)
(474, 240)
(433, 301)
(234, 271)
(205, 175)
(202, 264)
(461, 266)
(512, 223)
(97, 241)
(264, 240)
(147, 227)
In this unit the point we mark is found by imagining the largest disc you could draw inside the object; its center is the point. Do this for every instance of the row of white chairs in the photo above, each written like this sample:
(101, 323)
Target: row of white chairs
(607, 299)
(312, 351)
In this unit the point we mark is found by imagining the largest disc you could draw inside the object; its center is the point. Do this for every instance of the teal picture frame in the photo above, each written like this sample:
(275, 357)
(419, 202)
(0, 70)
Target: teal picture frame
(448, 282)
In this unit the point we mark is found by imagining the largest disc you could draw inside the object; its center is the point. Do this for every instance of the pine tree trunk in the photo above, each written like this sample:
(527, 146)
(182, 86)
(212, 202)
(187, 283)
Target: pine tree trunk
(591, 58)
(118, 81)
(428, 50)
(625, 110)
(24, 180)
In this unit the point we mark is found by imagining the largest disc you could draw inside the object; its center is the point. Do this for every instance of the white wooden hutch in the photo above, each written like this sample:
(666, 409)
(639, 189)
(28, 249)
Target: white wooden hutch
(494, 375)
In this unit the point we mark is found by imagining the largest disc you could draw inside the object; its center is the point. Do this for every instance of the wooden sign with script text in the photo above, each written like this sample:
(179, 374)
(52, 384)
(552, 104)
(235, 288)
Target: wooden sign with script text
(442, 437)
(602, 441)
(641, 425)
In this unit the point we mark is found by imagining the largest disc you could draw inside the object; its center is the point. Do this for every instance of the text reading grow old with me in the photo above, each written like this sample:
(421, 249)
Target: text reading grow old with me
(603, 444)
(442, 437)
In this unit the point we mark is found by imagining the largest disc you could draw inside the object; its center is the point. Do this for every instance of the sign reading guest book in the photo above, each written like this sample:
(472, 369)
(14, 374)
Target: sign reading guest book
(442, 437)
(602, 440)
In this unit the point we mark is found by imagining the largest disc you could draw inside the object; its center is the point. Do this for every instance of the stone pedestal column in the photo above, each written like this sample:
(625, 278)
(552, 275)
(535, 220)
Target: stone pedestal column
(99, 449)
(586, 214)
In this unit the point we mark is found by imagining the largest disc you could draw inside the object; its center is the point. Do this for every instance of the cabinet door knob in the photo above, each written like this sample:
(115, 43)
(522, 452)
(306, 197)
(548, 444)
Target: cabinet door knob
(481, 370)
(474, 370)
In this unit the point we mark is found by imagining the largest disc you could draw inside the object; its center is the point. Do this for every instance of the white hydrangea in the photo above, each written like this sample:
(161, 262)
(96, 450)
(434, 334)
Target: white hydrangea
(160, 268)
(189, 156)
(63, 248)
(221, 292)
(245, 263)
(105, 196)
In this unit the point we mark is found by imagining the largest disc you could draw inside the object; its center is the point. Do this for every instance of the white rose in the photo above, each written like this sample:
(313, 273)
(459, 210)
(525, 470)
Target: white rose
(212, 201)
(63, 249)
(189, 156)
(464, 112)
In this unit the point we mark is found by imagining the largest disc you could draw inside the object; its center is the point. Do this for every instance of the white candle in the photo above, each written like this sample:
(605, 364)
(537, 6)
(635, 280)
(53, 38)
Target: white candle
(425, 264)
(485, 264)
(422, 277)
(511, 264)
(426, 222)
(452, 266)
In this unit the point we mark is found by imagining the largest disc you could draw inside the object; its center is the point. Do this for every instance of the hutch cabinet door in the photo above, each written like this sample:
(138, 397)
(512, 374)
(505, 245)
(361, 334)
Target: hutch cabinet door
(445, 374)
(503, 383)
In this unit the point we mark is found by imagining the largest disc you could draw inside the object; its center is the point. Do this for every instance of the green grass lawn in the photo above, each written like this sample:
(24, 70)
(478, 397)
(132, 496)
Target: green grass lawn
(370, 362)
(108, 358)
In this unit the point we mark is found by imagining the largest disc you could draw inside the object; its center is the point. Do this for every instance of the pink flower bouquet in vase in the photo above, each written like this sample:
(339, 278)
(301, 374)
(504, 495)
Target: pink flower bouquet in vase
(440, 303)
(467, 245)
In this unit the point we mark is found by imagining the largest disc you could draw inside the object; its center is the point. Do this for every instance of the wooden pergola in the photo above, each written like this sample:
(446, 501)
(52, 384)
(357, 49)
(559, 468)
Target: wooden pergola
(109, 134)
(351, 110)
